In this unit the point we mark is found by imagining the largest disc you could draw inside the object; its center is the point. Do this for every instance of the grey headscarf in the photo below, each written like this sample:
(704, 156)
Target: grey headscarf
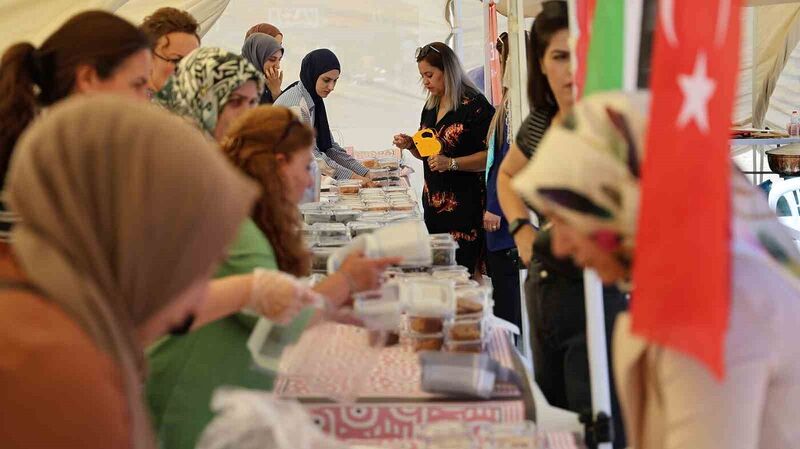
(259, 47)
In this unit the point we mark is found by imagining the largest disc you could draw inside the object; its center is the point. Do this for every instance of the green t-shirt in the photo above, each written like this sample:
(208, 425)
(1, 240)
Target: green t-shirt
(185, 371)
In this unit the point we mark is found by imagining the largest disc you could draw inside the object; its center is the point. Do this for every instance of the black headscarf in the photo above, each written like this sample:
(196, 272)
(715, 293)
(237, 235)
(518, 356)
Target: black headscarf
(315, 64)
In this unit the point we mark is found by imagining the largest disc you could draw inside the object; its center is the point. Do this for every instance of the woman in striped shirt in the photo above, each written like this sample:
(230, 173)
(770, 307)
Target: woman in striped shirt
(319, 73)
(554, 288)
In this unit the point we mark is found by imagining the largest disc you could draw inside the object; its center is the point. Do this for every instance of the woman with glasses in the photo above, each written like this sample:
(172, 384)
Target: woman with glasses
(459, 115)
(173, 34)
(319, 73)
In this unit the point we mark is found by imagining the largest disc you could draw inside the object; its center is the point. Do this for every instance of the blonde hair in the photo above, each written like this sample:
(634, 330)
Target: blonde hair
(456, 81)
(252, 144)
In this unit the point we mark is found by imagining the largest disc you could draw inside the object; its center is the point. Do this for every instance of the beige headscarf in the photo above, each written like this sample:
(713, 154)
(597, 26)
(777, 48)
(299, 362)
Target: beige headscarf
(123, 206)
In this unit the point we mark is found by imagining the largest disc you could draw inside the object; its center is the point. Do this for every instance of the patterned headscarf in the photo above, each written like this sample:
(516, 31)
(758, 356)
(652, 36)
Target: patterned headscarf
(203, 82)
(586, 170)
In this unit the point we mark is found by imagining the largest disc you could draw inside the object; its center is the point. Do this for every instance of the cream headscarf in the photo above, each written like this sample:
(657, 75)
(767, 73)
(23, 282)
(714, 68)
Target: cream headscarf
(123, 206)
(586, 170)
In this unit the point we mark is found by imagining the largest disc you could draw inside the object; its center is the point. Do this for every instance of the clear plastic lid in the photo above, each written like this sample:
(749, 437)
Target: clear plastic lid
(378, 311)
(428, 298)
(318, 216)
(445, 237)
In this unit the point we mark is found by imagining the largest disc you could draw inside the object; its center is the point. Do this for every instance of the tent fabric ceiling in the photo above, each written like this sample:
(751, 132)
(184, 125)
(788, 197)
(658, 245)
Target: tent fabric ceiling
(766, 50)
(34, 20)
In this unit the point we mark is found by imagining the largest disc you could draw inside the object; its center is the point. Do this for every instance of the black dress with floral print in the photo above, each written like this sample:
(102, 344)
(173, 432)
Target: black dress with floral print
(454, 201)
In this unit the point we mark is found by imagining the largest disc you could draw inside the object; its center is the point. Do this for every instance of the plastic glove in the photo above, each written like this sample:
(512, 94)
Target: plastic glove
(280, 297)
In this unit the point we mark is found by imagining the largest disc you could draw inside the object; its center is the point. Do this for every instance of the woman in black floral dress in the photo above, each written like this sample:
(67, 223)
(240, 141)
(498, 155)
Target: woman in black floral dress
(454, 194)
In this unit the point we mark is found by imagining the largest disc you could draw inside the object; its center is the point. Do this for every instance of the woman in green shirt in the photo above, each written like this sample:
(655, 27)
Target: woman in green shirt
(273, 147)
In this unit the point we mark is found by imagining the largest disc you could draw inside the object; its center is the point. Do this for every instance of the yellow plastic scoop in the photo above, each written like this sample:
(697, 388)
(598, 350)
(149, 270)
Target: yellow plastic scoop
(427, 143)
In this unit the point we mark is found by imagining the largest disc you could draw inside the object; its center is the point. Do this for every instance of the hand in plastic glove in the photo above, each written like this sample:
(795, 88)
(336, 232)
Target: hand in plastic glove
(280, 296)
(364, 273)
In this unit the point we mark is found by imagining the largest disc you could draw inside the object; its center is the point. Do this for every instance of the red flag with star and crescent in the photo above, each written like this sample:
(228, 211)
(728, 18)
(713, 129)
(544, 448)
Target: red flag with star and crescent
(682, 262)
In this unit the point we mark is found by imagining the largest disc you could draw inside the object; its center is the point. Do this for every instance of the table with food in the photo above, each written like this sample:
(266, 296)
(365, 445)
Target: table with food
(431, 365)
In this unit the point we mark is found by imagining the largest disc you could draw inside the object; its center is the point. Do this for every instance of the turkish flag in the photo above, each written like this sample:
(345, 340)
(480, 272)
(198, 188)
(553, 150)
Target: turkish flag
(584, 14)
(682, 263)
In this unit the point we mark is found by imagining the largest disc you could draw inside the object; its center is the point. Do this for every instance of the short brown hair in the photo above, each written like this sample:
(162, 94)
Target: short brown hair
(169, 20)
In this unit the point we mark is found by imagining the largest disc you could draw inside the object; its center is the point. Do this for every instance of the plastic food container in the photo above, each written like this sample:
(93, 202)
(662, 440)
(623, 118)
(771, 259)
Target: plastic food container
(370, 162)
(454, 275)
(379, 173)
(403, 206)
(473, 300)
(447, 435)
(358, 227)
(446, 237)
(378, 311)
(319, 259)
(309, 235)
(444, 253)
(377, 206)
(375, 217)
(426, 342)
(467, 329)
(331, 234)
(472, 346)
(318, 216)
(388, 162)
(428, 298)
(349, 187)
(346, 216)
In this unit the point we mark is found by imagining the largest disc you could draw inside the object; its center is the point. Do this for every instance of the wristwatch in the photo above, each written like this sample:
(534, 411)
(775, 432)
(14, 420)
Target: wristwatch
(453, 164)
(517, 224)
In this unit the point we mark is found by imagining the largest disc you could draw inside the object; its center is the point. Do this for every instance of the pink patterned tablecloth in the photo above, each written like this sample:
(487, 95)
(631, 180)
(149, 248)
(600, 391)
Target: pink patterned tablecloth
(390, 402)
(394, 374)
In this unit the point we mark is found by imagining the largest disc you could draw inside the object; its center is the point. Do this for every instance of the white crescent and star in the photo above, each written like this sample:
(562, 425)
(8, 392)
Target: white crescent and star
(666, 13)
(697, 90)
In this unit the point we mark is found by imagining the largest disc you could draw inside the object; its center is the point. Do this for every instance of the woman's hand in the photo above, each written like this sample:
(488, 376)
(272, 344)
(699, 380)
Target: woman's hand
(363, 273)
(491, 222)
(403, 141)
(439, 163)
(274, 80)
(524, 240)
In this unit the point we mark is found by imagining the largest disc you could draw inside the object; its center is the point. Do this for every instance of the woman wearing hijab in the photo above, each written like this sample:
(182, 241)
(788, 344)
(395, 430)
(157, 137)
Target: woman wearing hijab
(102, 264)
(670, 399)
(265, 53)
(211, 88)
(185, 371)
(319, 73)
(266, 28)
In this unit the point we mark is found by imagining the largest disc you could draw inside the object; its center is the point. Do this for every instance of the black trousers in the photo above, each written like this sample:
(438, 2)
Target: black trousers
(503, 269)
(558, 341)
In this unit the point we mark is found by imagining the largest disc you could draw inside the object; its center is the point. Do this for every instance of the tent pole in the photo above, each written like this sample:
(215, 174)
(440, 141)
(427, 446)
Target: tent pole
(487, 52)
(458, 30)
(518, 63)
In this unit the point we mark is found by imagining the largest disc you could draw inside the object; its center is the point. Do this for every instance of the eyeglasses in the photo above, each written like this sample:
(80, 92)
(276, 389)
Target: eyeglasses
(423, 51)
(174, 61)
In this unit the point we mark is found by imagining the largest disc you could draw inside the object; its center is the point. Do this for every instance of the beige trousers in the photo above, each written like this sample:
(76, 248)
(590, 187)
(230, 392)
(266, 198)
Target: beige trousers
(670, 401)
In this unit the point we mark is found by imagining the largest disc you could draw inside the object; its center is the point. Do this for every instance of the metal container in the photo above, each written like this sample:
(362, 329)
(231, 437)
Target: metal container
(785, 160)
